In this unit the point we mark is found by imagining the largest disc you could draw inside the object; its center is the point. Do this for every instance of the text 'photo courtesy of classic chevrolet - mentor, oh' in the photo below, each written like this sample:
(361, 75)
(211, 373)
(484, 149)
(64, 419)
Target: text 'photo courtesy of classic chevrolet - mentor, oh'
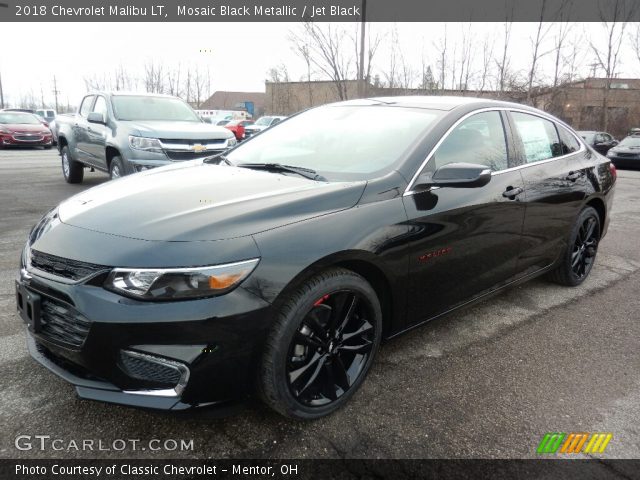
(277, 268)
(121, 134)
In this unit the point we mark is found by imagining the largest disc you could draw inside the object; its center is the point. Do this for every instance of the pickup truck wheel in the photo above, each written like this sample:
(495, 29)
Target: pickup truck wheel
(116, 170)
(73, 171)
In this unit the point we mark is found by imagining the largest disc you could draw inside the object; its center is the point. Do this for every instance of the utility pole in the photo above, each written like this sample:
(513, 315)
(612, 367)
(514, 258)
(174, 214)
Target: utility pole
(1, 93)
(361, 80)
(55, 91)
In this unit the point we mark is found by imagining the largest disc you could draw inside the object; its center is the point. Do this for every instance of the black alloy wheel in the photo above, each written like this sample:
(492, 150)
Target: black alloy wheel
(330, 349)
(585, 247)
(321, 346)
(579, 257)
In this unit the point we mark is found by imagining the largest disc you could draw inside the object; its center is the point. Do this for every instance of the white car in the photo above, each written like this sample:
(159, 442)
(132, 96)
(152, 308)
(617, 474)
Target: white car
(262, 124)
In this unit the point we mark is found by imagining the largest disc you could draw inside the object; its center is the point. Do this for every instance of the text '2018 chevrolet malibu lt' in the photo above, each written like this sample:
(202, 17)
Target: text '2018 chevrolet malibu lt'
(280, 267)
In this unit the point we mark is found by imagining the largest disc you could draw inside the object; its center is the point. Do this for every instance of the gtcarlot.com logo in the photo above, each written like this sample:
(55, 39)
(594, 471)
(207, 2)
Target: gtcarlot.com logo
(574, 443)
(47, 442)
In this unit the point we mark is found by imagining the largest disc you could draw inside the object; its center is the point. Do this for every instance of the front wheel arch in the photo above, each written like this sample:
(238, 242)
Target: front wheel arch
(362, 263)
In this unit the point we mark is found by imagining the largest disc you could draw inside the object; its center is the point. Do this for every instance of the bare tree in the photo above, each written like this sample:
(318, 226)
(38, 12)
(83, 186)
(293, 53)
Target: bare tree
(487, 56)
(536, 43)
(615, 16)
(327, 54)
(560, 38)
(503, 62)
(465, 59)
(154, 77)
(441, 48)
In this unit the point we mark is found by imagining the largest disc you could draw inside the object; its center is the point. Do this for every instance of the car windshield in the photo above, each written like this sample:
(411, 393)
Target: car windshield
(264, 121)
(630, 142)
(588, 136)
(145, 108)
(19, 118)
(340, 142)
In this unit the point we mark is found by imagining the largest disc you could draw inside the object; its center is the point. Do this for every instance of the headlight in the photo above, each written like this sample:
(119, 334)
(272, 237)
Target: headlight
(231, 141)
(179, 283)
(611, 152)
(144, 143)
(4, 130)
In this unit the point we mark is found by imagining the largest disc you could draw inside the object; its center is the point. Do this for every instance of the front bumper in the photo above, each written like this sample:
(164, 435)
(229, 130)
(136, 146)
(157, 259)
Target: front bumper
(625, 162)
(217, 341)
(10, 140)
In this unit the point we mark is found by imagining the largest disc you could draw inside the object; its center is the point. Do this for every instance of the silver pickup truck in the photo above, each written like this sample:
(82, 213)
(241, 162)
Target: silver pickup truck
(122, 133)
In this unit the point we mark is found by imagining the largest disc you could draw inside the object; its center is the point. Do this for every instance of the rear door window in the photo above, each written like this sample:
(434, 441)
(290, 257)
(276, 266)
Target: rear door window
(539, 137)
(568, 142)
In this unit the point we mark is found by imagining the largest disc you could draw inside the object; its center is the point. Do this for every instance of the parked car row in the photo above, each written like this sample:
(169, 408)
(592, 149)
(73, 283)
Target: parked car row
(623, 154)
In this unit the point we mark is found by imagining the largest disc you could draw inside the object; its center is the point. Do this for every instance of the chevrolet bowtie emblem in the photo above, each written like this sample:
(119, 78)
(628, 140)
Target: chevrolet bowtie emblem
(198, 148)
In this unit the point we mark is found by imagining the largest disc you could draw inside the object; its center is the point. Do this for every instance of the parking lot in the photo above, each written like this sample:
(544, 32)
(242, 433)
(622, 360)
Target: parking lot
(486, 382)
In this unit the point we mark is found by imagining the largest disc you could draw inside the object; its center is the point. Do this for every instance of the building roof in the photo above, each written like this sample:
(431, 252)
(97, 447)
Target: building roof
(222, 100)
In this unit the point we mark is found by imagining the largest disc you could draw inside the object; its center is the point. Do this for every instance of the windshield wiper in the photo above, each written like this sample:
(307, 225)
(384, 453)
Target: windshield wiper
(278, 167)
(218, 159)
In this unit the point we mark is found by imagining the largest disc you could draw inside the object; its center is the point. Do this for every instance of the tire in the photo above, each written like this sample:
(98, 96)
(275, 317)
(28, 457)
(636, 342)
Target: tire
(334, 318)
(116, 168)
(72, 171)
(580, 255)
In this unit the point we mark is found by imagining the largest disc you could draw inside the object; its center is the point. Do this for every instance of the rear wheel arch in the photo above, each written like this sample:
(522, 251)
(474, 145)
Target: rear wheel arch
(599, 206)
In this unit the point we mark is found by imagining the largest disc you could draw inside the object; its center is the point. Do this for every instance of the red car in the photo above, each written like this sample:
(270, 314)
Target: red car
(237, 127)
(20, 129)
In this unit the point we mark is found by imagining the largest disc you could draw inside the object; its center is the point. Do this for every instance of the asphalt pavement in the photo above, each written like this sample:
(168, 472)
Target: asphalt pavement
(486, 382)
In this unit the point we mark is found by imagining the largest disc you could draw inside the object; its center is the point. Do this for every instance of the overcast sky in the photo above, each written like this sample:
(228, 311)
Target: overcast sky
(237, 54)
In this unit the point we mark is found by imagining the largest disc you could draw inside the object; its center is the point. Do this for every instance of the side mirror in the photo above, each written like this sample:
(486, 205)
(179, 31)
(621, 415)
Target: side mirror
(96, 117)
(614, 143)
(456, 175)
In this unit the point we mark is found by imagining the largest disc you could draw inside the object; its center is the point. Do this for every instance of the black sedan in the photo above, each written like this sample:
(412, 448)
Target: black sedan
(601, 142)
(627, 153)
(279, 268)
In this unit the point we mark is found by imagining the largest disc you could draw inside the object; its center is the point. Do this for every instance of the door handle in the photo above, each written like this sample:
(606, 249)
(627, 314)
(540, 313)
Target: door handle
(512, 193)
(573, 176)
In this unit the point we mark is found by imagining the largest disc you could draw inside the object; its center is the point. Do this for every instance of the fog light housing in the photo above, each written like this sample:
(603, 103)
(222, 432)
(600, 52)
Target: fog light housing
(173, 375)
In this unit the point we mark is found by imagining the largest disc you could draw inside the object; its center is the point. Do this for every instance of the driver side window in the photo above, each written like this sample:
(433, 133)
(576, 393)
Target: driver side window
(479, 139)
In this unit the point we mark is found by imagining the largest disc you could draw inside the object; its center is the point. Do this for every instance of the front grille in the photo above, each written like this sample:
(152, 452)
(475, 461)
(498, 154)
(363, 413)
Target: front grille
(63, 267)
(28, 138)
(63, 323)
(148, 368)
(627, 155)
(179, 156)
(205, 141)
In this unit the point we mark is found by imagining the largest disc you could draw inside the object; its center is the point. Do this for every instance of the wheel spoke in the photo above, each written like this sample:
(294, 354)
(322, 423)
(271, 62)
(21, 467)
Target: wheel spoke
(314, 375)
(330, 382)
(296, 374)
(340, 374)
(364, 328)
(344, 305)
(590, 228)
(363, 347)
(575, 258)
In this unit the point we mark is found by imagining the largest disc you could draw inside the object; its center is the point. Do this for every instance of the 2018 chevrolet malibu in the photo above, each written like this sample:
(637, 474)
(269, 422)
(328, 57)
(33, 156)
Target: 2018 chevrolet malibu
(280, 267)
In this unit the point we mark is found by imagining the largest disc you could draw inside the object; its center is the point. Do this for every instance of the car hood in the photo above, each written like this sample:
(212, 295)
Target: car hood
(25, 127)
(196, 201)
(635, 150)
(256, 127)
(178, 130)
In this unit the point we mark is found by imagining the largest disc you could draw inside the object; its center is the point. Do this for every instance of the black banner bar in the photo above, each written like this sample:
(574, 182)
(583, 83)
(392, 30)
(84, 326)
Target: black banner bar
(318, 469)
(317, 10)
